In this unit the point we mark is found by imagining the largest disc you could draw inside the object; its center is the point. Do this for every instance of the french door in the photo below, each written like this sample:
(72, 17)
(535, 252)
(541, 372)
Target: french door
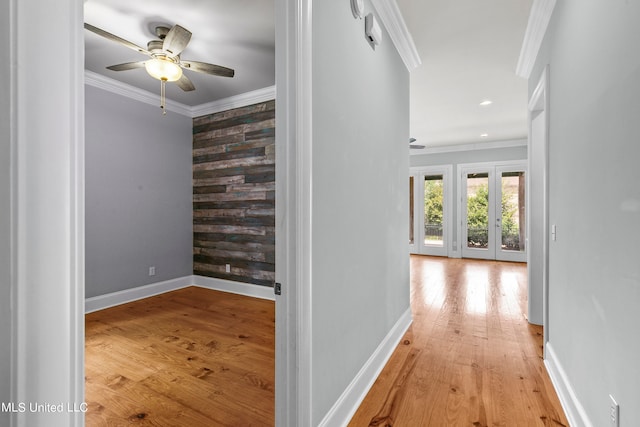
(430, 210)
(493, 221)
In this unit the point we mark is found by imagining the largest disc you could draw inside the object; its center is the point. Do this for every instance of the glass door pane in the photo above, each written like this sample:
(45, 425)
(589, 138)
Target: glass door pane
(477, 211)
(433, 210)
(513, 209)
(510, 187)
(431, 187)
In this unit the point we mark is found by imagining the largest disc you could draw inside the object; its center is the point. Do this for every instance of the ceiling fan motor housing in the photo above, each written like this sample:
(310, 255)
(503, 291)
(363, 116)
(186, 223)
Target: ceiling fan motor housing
(155, 46)
(162, 32)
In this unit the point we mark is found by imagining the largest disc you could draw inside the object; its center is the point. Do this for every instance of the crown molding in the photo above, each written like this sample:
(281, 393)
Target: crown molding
(539, 18)
(391, 17)
(117, 87)
(471, 147)
(236, 101)
(132, 92)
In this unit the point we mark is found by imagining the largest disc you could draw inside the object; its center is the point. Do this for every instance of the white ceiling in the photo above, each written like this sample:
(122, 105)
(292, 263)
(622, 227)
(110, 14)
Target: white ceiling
(469, 51)
(238, 34)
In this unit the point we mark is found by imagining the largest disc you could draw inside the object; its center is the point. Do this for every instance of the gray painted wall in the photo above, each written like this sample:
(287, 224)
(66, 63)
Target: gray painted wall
(594, 273)
(460, 157)
(360, 262)
(138, 193)
(5, 214)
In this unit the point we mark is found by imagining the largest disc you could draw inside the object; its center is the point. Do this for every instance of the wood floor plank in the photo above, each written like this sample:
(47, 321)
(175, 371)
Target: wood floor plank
(477, 361)
(192, 357)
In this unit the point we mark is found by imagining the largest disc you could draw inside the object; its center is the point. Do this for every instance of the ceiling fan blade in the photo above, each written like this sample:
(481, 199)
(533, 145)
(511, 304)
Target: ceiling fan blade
(116, 39)
(203, 67)
(416, 147)
(126, 66)
(176, 40)
(185, 84)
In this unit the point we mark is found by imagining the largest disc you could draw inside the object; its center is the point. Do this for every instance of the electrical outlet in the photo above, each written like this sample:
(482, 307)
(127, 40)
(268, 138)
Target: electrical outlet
(227, 268)
(614, 412)
(152, 270)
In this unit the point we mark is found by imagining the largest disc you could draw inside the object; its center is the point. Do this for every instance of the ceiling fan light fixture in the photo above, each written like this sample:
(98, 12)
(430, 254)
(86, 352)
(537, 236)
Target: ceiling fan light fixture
(163, 69)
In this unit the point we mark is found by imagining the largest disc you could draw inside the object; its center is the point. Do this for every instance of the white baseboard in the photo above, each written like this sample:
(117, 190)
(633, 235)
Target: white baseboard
(128, 295)
(576, 415)
(256, 291)
(344, 408)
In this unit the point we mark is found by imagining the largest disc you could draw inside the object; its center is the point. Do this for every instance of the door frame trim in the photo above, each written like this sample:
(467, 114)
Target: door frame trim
(293, 399)
(58, 171)
(539, 104)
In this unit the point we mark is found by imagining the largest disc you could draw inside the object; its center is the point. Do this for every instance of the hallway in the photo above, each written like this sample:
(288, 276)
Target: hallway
(470, 358)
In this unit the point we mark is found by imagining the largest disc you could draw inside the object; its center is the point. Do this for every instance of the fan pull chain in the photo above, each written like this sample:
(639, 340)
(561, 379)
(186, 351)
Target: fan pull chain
(163, 98)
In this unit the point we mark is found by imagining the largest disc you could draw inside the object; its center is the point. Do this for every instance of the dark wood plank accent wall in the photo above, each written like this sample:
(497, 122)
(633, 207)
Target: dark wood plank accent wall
(234, 194)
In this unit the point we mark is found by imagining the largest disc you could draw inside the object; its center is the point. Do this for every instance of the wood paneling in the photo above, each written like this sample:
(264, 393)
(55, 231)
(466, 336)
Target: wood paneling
(470, 358)
(192, 357)
(234, 194)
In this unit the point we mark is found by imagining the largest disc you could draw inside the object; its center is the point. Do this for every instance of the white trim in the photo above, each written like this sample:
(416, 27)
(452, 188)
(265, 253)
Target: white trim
(471, 147)
(303, 207)
(539, 93)
(129, 295)
(236, 101)
(413, 247)
(539, 18)
(391, 17)
(48, 176)
(77, 214)
(293, 212)
(13, 204)
(341, 412)
(132, 92)
(247, 289)
(539, 102)
(576, 415)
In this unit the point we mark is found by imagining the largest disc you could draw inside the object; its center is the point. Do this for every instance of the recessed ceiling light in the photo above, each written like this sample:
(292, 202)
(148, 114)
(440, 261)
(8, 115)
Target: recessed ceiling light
(486, 102)
(484, 135)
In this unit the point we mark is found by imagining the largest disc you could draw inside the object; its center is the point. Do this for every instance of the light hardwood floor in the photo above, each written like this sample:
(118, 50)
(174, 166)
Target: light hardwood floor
(470, 357)
(192, 357)
(196, 357)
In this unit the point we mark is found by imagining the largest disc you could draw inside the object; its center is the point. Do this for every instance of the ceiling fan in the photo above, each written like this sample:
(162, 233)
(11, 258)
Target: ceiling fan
(415, 146)
(165, 63)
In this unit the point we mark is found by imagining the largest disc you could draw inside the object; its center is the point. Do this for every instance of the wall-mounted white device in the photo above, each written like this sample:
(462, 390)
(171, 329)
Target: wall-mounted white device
(372, 29)
(357, 8)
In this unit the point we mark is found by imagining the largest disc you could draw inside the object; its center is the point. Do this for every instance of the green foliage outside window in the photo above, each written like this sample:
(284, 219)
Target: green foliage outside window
(433, 209)
(478, 221)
